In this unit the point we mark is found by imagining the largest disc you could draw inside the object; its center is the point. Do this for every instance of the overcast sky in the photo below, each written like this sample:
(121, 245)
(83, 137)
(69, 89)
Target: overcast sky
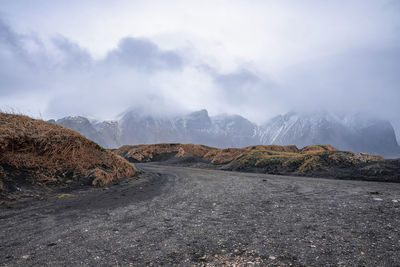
(255, 58)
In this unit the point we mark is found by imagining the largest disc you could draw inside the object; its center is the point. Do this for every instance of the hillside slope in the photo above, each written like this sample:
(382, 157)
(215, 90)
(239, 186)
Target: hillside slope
(314, 161)
(34, 152)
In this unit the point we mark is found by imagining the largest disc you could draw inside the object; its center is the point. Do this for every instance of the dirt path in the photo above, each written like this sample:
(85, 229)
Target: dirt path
(184, 216)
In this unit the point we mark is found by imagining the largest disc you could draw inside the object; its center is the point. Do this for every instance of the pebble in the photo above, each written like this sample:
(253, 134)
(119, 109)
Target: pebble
(25, 257)
(272, 257)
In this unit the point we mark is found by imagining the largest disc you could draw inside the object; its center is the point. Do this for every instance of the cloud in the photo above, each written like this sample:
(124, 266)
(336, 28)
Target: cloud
(246, 91)
(256, 59)
(70, 54)
(235, 79)
(143, 55)
(62, 78)
(8, 37)
(15, 61)
(359, 80)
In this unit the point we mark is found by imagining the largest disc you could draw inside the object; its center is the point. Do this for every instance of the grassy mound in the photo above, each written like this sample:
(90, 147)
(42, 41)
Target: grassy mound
(314, 160)
(161, 152)
(38, 153)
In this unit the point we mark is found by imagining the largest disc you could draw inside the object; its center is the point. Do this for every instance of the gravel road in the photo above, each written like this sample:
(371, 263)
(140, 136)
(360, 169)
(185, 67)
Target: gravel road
(185, 216)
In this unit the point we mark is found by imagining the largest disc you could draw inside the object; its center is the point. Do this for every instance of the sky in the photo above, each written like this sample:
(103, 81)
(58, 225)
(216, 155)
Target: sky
(255, 58)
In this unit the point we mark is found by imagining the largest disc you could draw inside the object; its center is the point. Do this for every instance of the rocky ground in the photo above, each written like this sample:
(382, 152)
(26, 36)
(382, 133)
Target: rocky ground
(185, 216)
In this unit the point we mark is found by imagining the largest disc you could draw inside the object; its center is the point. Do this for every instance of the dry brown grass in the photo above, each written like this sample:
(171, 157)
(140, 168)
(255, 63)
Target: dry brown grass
(310, 160)
(314, 149)
(275, 148)
(222, 156)
(153, 152)
(371, 156)
(39, 152)
(148, 153)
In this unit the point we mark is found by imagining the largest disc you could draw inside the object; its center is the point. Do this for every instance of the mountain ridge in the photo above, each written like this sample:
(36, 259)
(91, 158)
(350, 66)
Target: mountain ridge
(358, 133)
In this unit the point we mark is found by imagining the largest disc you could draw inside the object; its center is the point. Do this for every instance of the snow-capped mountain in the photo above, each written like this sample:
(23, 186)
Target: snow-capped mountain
(234, 131)
(84, 126)
(351, 132)
(357, 132)
(197, 127)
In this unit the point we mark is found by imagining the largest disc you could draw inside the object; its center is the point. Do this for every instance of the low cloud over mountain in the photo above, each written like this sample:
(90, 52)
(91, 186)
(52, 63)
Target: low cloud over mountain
(257, 60)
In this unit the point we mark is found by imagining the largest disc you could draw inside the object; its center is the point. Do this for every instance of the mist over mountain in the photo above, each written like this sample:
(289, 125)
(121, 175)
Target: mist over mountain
(358, 133)
(257, 59)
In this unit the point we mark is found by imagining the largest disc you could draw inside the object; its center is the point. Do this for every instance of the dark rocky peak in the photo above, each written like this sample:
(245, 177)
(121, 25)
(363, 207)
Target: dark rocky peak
(197, 120)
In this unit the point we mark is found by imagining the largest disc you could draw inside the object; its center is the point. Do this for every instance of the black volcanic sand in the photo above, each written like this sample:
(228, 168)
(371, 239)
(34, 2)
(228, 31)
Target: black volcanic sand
(186, 216)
